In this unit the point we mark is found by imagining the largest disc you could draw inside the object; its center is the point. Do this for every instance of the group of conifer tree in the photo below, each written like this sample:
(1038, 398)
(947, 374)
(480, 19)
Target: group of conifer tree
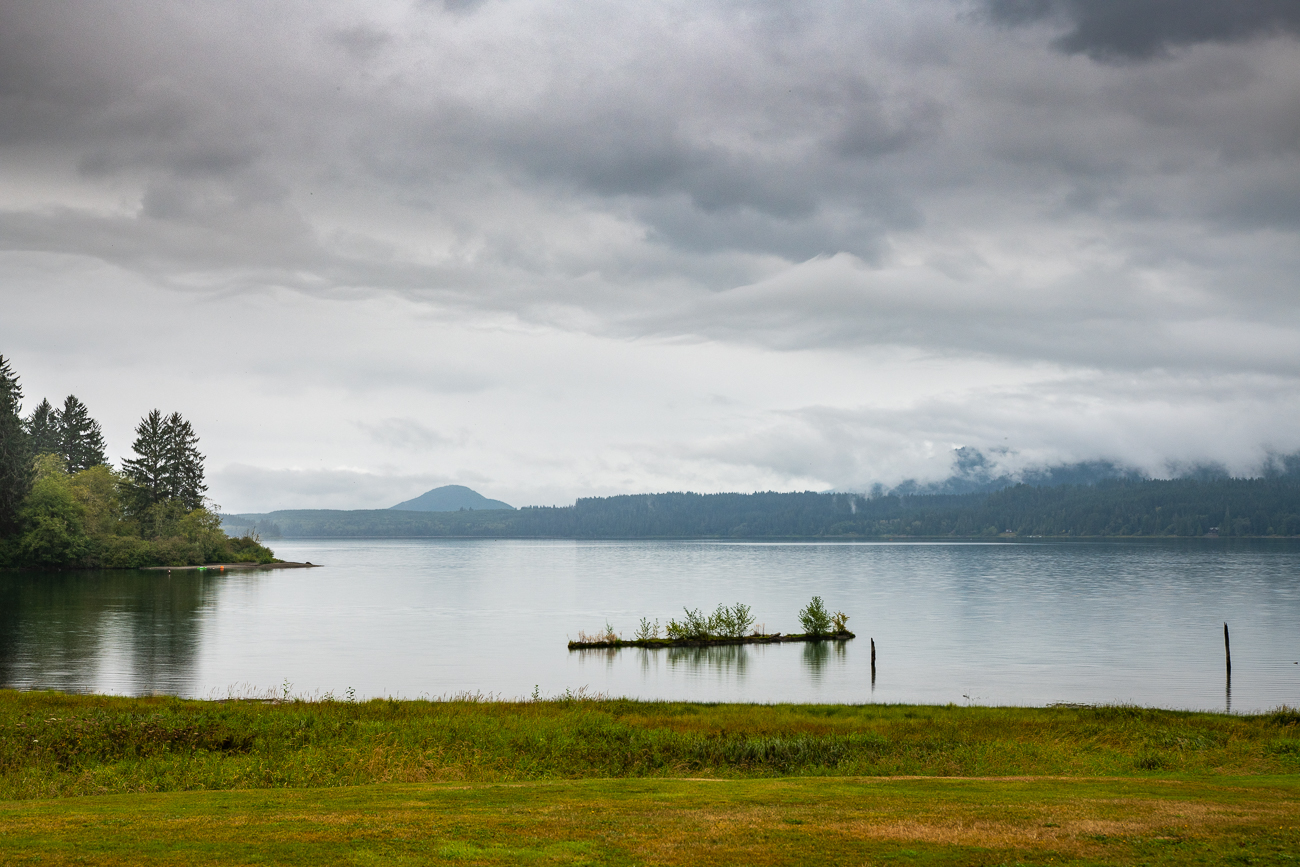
(62, 503)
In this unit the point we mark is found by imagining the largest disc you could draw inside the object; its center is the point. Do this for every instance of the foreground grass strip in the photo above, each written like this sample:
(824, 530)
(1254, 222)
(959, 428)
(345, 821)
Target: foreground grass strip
(55, 745)
(722, 822)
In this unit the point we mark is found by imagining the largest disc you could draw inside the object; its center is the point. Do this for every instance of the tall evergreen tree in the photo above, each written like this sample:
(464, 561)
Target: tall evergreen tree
(15, 452)
(167, 465)
(184, 463)
(148, 469)
(81, 442)
(43, 428)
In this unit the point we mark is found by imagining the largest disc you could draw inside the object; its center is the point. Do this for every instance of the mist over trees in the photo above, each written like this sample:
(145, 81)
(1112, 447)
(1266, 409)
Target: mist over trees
(62, 505)
(1268, 506)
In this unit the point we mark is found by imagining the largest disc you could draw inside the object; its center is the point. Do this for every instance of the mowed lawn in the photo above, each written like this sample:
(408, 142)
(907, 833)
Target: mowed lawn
(673, 821)
(112, 780)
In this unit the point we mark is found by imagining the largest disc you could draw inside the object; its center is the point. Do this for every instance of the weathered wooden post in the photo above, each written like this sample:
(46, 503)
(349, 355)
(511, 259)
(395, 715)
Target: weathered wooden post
(873, 661)
(1227, 654)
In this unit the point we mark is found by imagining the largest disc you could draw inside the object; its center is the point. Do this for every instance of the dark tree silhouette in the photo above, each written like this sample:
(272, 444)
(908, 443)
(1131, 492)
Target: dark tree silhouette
(167, 465)
(15, 452)
(184, 463)
(147, 471)
(81, 442)
(43, 428)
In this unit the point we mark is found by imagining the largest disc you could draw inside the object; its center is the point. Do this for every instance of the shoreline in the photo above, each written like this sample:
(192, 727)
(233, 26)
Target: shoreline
(230, 567)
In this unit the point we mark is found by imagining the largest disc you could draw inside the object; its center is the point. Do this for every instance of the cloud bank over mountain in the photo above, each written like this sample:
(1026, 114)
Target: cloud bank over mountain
(550, 250)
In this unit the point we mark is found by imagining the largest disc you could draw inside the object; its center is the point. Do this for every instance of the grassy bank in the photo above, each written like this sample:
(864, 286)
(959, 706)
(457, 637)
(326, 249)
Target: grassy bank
(54, 745)
(107, 780)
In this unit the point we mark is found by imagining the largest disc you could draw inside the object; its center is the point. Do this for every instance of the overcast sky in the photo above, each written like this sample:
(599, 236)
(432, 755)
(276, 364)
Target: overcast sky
(560, 249)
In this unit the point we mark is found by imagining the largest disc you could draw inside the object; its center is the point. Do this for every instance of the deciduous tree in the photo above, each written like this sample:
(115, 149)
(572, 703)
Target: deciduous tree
(53, 521)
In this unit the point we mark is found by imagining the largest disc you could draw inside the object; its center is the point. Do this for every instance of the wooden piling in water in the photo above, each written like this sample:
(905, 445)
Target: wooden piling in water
(1227, 649)
(873, 660)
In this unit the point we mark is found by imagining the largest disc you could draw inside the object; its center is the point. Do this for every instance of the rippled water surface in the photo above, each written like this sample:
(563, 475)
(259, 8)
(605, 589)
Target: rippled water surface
(1016, 623)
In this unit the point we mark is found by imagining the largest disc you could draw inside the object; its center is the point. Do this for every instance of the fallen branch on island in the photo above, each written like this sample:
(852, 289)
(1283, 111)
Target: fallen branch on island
(774, 638)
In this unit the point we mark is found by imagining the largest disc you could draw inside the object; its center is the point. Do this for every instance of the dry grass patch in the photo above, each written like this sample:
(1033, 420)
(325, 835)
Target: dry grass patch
(750, 822)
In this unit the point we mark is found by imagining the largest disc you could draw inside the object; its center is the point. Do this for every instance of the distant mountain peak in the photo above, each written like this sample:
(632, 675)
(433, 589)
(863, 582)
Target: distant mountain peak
(450, 498)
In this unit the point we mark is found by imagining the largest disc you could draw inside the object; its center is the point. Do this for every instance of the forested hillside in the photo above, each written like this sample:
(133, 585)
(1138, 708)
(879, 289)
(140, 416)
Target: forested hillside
(1180, 507)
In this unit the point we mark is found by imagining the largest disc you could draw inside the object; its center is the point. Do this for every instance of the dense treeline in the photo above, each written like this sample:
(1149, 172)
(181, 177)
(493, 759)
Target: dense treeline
(63, 506)
(1121, 507)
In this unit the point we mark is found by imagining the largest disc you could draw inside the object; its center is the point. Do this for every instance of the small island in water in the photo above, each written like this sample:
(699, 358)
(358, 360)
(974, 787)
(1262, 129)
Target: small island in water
(601, 641)
(726, 625)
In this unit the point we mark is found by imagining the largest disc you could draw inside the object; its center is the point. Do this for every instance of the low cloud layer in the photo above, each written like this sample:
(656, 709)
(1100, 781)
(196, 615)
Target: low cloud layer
(551, 245)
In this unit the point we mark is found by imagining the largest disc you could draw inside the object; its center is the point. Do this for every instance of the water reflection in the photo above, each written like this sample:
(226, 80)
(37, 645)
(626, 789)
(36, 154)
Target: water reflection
(1007, 624)
(120, 631)
(597, 654)
(722, 660)
(817, 653)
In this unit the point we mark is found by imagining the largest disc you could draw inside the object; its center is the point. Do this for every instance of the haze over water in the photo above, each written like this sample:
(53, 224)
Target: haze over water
(1014, 623)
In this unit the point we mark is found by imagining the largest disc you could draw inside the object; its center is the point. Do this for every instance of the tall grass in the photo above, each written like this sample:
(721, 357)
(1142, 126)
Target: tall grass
(54, 744)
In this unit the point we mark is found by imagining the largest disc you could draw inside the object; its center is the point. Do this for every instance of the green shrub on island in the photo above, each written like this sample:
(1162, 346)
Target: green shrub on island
(815, 619)
(734, 622)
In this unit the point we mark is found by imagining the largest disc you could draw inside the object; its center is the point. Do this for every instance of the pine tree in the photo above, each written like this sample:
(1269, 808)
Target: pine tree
(15, 452)
(43, 428)
(184, 463)
(148, 470)
(167, 465)
(81, 442)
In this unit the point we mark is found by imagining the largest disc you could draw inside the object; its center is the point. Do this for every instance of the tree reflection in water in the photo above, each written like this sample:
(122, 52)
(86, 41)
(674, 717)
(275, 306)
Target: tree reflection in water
(609, 654)
(722, 659)
(102, 631)
(817, 653)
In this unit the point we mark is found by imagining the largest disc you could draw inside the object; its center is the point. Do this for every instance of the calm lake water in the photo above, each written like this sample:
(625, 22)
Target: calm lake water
(1016, 623)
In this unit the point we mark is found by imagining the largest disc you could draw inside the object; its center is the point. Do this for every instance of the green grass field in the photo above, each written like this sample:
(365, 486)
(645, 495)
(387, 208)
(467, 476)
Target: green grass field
(101, 780)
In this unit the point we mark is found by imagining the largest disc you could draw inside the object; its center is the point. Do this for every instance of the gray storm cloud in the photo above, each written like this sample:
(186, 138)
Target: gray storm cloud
(1142, 29)
(1101, 192)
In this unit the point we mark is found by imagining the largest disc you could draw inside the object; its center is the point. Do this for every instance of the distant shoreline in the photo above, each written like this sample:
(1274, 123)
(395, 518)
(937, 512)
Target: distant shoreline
(1185, 508)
